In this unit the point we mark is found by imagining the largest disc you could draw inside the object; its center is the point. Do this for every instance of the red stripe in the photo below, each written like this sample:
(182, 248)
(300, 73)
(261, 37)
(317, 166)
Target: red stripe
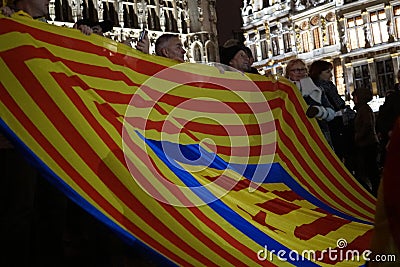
(361, 243)
(229, 130)
(96, 71)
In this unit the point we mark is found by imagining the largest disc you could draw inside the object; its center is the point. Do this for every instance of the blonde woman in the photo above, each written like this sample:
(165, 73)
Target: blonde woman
(319, 106)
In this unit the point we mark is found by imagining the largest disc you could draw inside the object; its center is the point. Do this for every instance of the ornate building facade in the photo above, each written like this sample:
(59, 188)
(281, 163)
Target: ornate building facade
(360, 38)
(193, 20)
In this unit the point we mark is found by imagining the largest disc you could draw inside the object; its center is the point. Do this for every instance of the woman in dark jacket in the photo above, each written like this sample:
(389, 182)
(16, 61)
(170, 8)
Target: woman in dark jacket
(341, 127)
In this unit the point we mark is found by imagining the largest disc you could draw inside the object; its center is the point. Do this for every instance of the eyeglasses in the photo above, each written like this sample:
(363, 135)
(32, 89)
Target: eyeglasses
(298, 70)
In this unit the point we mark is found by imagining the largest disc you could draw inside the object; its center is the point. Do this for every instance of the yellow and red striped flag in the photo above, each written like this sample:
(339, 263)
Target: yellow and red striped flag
(206, 167)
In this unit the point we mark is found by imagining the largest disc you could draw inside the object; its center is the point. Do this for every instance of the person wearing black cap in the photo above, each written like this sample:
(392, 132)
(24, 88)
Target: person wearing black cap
(101, 27)
(236, 57)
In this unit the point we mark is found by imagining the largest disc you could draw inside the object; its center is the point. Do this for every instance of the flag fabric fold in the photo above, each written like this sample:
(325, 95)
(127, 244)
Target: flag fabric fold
(204, 166)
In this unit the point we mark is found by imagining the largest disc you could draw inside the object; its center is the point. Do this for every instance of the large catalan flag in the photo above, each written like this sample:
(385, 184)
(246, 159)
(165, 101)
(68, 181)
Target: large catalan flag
(205, 166)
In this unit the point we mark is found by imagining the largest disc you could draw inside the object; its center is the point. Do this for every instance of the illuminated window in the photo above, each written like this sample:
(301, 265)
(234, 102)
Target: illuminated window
(275, 45)
(330, 28)
(287, 42)
(184, 25)
(264, 49)
(88, 10)
(263, 45)
(197, 53)
(378, 27)
(362, 77)
(305, 41)
(153, 21)
(355, 32)
(253, 49)
(130, 17)
(171, 25)
(109, 12)
(339, 81)
(211, 54)
(385, 76)
(331, 36)
(63, 11)
(316, 32)
(58, 10)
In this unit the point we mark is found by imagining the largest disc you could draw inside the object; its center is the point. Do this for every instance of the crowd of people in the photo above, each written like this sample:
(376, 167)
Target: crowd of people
(357, 140)
(28, 220)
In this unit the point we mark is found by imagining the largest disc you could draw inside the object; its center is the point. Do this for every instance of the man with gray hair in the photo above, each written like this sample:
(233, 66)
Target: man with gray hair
(170, 46)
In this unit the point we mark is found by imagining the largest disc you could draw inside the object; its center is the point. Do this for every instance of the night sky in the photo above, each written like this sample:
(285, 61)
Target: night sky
(229, 18)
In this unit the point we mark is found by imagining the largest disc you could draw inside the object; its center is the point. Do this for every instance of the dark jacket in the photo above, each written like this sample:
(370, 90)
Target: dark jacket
(387, 115)
(331, 93)
(364, 126)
